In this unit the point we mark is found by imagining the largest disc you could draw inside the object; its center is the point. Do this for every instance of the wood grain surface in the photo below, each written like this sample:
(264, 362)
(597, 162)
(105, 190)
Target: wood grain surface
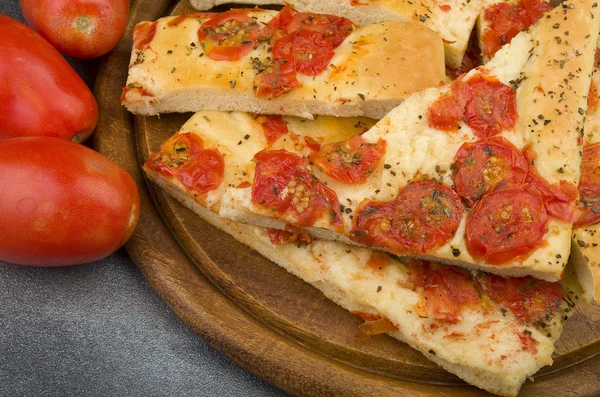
(266, 320)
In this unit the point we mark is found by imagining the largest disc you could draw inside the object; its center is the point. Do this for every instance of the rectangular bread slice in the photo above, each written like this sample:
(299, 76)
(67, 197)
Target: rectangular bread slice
(452, 19)
(465, 323)
(369, 73)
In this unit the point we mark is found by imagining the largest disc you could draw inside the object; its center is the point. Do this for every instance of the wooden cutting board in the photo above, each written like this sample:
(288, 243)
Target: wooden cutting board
(266, 320)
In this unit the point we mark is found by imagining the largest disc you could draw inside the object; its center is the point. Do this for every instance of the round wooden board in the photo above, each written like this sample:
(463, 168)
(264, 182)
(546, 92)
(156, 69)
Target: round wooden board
(266, 320)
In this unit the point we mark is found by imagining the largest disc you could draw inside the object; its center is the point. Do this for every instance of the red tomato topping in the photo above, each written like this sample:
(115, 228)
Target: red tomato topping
(200, 170)
(487, 105)
(143, 34)
(277, 79)
(350, 161)
(445, 113)
(284, 185)
(446, 291)
(589, 186)
(506, 21)
(506, 224)
(273, 127)
(228, 36)
(302, 43)
(482, 166)
(424, 216)
(528, 342)
(529, 299)
(292, 235)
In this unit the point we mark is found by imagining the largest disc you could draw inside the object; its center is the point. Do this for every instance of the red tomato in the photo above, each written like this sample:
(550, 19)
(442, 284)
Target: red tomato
(424, 216)
(283, 184)
(446, 291)
(40, 95)
(589, 186)
(481, 166)
(228, 36)
(350, 161)
(507, 224)
(445, 113)
(528, 298)
(302, 43)
(273, 127)
(506, 21)
(62, 203)
(489, 105)
(276, 80)
(82, 28)
(309, 54)
(184, 157)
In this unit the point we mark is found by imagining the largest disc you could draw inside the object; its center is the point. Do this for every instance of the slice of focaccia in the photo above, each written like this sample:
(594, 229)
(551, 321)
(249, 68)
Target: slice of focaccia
(498, 23)
(586, 230)
(271, 62)
(492, 332)
(452, 19)
(481, 173)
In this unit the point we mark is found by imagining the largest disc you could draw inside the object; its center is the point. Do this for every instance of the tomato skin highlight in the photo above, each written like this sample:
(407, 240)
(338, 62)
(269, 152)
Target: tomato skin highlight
(41, 94)
(82, 29)
(507, 224)
(62, 203)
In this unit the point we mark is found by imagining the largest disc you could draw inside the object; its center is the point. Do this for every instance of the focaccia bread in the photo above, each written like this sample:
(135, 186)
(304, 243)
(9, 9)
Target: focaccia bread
(271, 62)
(586, 230)
(452, 19)
(480, 173)
(492, 332)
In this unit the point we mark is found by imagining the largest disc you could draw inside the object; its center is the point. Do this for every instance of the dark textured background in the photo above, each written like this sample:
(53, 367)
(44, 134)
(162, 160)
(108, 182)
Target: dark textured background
(100, 330)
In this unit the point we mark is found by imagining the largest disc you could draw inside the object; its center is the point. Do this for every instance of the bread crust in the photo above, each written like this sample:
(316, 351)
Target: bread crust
(373, 70)
(452, 19)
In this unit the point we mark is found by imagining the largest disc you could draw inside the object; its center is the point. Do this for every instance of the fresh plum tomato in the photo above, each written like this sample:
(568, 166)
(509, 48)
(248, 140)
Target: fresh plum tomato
(62, 203)
(40, 94)
(82, 28)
